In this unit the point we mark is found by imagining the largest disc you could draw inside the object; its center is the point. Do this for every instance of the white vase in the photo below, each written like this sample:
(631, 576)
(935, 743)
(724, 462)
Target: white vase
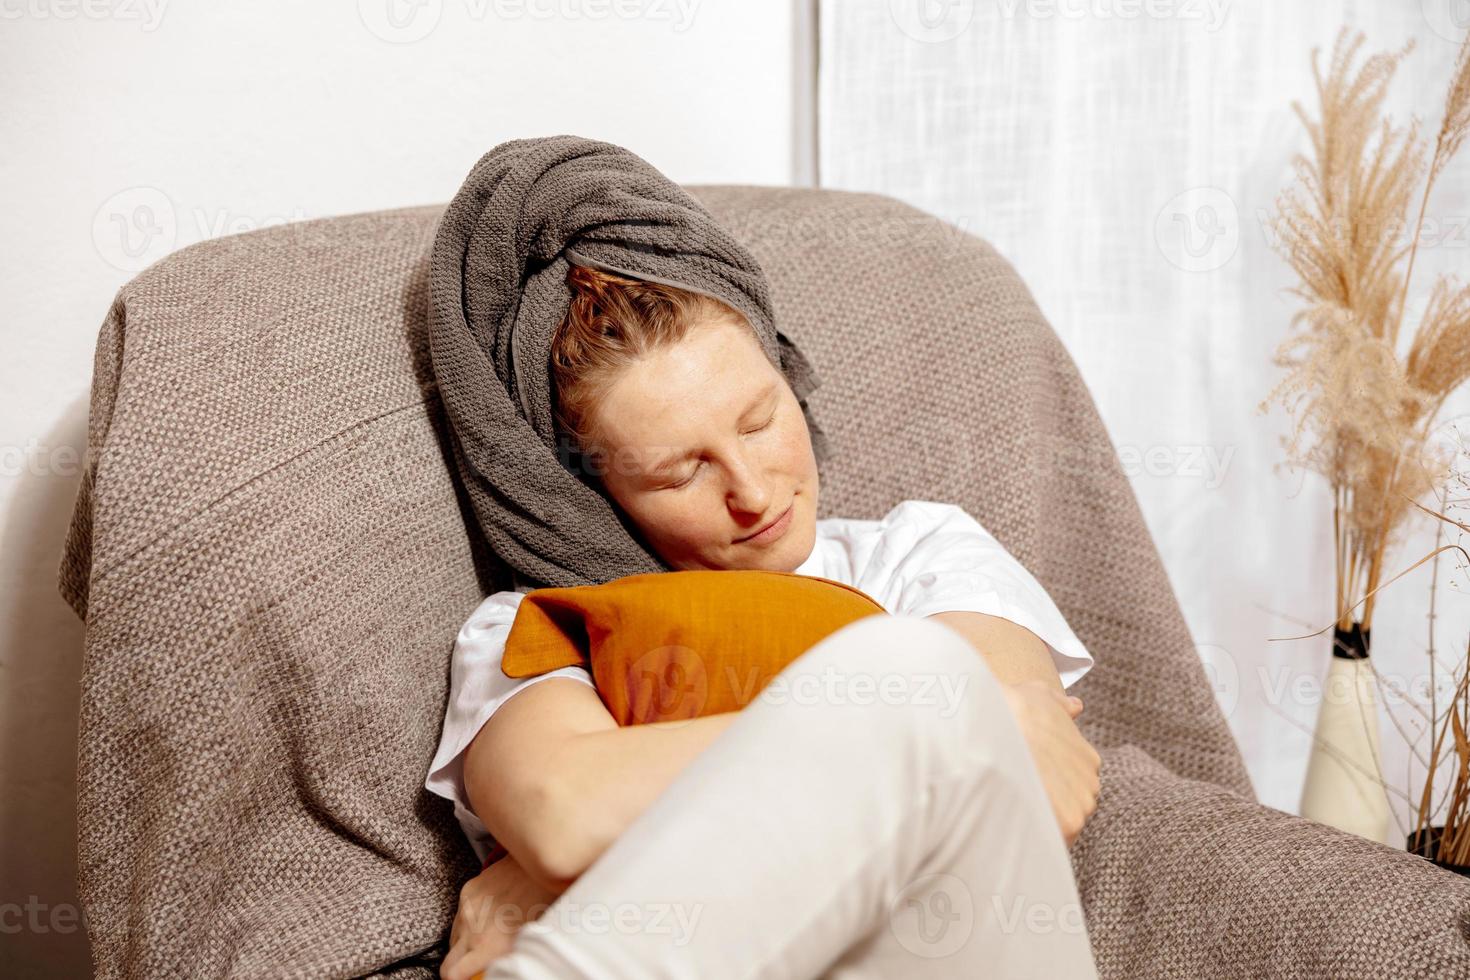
(1343, 787)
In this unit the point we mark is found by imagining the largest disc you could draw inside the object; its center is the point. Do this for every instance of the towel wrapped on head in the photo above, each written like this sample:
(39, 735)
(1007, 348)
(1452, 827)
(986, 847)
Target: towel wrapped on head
(528, 210)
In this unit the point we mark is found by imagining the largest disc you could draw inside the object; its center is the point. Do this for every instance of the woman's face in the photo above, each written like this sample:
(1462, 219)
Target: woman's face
(704, 445)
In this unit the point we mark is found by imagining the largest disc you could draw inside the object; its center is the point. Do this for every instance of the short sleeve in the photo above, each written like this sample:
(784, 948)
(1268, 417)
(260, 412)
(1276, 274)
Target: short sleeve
(477, 687)
(927, 557)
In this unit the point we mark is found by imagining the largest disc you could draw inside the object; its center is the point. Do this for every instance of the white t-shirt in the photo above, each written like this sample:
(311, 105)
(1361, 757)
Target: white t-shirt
(922, 558)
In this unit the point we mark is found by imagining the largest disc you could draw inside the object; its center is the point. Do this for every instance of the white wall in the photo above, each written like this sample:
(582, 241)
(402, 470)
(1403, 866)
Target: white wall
(1061, 139)
(128, 131)
(1085, 139)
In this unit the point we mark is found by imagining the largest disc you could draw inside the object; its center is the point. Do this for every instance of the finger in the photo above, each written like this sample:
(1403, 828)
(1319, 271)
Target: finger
(447, 968)
(477, 959)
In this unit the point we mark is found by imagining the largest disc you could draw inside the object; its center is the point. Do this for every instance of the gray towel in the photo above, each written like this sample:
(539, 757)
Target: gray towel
(497, 292)
(272, 566)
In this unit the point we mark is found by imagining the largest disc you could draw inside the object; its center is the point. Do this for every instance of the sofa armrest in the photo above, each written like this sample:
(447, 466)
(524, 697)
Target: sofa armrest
(1183, 878)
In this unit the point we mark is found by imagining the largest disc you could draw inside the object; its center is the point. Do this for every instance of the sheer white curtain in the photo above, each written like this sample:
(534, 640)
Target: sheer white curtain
(1123, 155)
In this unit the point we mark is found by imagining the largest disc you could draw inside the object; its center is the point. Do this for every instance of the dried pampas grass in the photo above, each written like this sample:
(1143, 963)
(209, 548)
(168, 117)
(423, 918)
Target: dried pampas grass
(1362, 415)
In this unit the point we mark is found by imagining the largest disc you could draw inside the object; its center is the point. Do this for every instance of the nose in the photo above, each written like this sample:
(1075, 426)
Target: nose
(746, 493)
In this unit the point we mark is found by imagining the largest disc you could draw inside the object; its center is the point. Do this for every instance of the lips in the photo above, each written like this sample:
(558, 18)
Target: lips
(766, 527)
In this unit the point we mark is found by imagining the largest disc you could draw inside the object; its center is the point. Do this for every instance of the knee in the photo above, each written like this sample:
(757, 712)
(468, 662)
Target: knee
(919, 675)
(896, 644)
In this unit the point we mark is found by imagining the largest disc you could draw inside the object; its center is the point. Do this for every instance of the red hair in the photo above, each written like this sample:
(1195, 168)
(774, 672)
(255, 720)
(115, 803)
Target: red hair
(613, 321)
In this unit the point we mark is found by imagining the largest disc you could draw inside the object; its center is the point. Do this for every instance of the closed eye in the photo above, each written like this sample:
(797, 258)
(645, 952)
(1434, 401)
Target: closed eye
(765, 425)
(688, 480)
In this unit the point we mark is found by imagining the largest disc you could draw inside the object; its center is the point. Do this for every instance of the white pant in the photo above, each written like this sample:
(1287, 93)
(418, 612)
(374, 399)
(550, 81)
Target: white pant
(874, 812)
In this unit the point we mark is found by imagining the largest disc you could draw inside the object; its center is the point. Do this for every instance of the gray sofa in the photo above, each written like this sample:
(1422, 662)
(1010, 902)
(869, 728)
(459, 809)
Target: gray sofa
(272, 560)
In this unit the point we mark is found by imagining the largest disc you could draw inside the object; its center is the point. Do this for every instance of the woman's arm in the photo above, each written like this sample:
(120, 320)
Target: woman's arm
(556, 780)
(1013, 652)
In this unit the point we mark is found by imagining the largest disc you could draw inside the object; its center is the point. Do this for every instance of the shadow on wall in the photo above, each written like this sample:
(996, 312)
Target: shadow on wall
(42, 933)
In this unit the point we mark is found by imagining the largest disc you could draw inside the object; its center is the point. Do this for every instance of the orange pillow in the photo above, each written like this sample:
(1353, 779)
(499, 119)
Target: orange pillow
(676, 645)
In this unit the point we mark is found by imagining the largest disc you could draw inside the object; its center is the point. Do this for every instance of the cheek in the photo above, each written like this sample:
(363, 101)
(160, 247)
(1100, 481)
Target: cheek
(682, 521)
(796, 447)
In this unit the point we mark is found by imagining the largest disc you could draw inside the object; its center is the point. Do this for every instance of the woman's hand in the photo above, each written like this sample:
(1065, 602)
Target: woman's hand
(493, 906)
(1067, 762)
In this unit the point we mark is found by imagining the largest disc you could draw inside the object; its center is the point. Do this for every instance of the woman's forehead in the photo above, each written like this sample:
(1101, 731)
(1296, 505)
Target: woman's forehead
(710, 369)
(671, 401)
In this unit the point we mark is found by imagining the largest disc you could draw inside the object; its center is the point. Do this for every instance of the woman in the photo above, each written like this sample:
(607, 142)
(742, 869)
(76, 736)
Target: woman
(859, 838)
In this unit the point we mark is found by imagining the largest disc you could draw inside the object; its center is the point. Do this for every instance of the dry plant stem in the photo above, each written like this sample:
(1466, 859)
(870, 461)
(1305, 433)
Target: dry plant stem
(1444, 517)
(1337, 493)
(1458, 797)
(1443, 805)
(1448, 547)
(1452, 130)
(1411, 741)
(1426, 797)
(1375, 566)
(1456, 837)
(1338, 755)
(1413, 252)
(1433, 587)
(1350, 763)
(1429, 766)
(1414, 706)
(1454, 845)
(1368, 410)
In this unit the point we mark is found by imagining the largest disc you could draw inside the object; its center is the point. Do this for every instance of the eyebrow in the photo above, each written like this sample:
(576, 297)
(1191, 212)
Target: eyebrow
(660, 469)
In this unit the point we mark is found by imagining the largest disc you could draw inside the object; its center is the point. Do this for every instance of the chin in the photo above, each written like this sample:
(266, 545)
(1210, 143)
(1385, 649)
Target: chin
(800, 541)
(794, 548)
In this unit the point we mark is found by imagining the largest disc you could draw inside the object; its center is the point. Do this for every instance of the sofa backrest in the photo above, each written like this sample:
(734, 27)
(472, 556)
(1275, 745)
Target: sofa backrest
(272, 559)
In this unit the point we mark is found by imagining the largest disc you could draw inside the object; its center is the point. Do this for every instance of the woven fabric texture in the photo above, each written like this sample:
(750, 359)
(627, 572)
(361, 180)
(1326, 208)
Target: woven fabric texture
(529, 209)
(272, 556)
